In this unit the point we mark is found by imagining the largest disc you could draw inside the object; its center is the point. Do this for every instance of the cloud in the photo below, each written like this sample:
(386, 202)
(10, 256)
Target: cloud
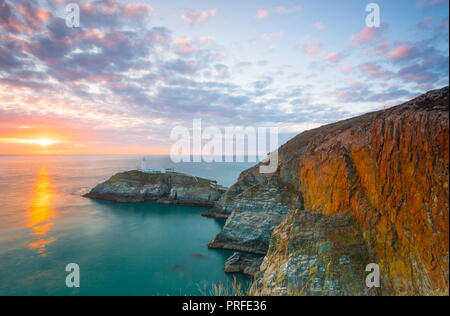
(430, 70)
(444, 24)
(183, 45)
(261, 14)
(425, 23)
(262, 84)
(138, 10)
(375, 71)
(361, 93)
(194, 17)
(403, 53)
(335, 57)
(368, 35)
(221, 71)
(111, 13)
(271, 36)
(312, 48)
(346, 69)
(264, 13)
(285, 10)
(382, 48)
(431, 3)
(206, 38)
(34, 18)
(417, 62)
(319, 26)
(24, 18)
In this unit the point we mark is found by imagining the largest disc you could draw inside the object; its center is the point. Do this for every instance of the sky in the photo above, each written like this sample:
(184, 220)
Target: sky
(134, 70)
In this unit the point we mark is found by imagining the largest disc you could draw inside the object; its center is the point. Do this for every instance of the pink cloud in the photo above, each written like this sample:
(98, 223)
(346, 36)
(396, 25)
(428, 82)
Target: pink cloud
(346, 68)
(425, 23)
(416, 77)
(271, 36)
(261, 14)
(109, 7)
(402, 53)
(193, 17)
(88, 7)
(284, 10)
(382, 48)
(375, 71)
(312, 48)
(183, 45)
(367, 35)
(342, 95)
(33, 19)
(113, 39)
(219, 55)
(319, 26)
(206, 38)
(134, 10)
(334, 57)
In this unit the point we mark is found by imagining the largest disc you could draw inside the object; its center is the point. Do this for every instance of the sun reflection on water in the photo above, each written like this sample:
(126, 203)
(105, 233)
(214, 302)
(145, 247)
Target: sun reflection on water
(41, 214)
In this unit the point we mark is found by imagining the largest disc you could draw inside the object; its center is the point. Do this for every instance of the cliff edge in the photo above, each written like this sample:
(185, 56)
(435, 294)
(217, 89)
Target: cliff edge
(386, 172)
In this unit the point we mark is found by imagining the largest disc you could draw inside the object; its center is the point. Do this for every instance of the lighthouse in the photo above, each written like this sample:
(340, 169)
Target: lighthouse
(146, 169)
(144, 165)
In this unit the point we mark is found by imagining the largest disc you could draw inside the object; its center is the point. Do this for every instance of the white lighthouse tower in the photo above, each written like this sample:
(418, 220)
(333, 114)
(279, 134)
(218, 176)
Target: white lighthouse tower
(144, 165)
(146, 169)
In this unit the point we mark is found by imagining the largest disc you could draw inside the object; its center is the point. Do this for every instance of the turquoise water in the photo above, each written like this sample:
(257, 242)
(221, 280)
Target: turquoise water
(122, 249)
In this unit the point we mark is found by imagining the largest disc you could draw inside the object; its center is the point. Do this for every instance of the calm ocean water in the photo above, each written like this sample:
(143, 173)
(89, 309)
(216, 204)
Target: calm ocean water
(122, 249)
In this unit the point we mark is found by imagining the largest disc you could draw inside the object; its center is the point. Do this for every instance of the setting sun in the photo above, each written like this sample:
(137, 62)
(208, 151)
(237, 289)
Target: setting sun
(41, 141)
(45, 142)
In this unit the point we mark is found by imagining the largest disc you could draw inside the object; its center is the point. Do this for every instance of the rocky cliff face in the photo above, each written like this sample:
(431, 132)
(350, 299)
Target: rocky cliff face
(314, 254)
(387, 171)
(245, 263)
(169, 188)
(248, 179)
(256, 212)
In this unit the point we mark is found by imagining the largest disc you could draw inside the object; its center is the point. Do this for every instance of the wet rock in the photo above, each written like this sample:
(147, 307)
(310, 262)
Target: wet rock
(247, 264)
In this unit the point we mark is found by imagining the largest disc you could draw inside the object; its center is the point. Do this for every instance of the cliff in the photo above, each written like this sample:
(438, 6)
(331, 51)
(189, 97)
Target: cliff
(168, 188)
(314, 254)
(256, 211)
(380, 180)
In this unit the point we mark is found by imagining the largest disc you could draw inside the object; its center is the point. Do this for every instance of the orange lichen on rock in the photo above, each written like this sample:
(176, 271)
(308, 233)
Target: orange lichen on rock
(390, 170)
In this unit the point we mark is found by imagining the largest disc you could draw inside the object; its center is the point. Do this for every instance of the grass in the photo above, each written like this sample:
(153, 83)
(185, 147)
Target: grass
(234, 288)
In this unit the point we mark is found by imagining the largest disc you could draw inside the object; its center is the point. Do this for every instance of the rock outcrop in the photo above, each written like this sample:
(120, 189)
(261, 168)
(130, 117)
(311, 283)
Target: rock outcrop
(386, 170)
(244, 263)
(314, 254)
(167, 188)
(256, 212)
(248, 179)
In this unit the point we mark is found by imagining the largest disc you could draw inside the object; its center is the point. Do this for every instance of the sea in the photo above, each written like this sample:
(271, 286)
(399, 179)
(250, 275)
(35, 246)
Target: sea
(46, 226)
